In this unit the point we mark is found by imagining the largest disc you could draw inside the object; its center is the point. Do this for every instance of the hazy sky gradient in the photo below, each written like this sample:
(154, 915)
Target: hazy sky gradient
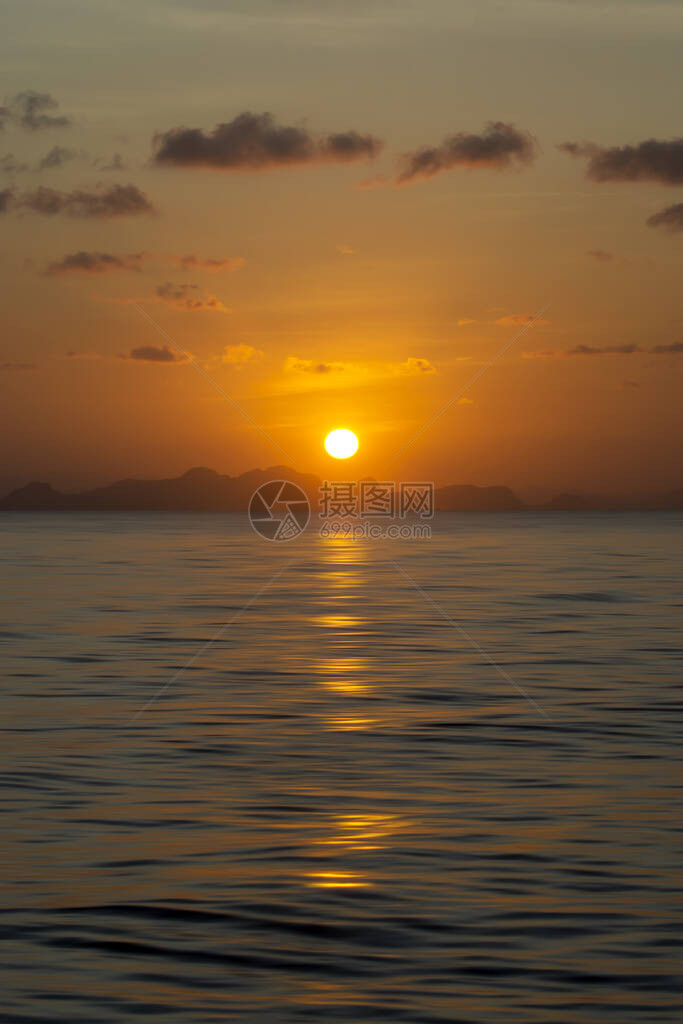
(342, 305)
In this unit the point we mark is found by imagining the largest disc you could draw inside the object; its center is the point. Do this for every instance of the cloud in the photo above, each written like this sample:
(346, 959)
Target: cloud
(500, 145)
(32, 111)
(8, 165)
(668, 350)
(311, 374)
(543, 353)
(82, 355)
(255, 142)
(583, 350)
(102, 204)
(154, 354)
(466, 321)
(630, 384)
(240, 355)
(56, 157)
(228, 263)
(297, 365)
(115, 164)
(652, 160)
(415, 367)
(610, 350)
(93, 263)
(346, 250)
(184, 297)
(18, 366)
(670, 218)
(465, 401)
(6, 199)
(519, 320)
(600, 255)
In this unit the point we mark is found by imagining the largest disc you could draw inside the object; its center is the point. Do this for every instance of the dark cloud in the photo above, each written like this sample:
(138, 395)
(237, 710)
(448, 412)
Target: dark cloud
(8, 165)
(670, 218)
(153, 354)
(543, 353)
(416, 365)
(57, 156)
(610, 350)
(520, 319)
(311, 366)
(188, 298)
(583, 350)
(33, 111)
(254, 142)
(117, 201)
(668, 350)
(93, 263)
(115, 164)
(600, 255)
(6, 199)
(652, 160)
(229, 263)
(500, 145)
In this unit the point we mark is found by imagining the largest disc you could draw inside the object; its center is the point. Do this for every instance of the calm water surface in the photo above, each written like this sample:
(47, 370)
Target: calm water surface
(341, 810)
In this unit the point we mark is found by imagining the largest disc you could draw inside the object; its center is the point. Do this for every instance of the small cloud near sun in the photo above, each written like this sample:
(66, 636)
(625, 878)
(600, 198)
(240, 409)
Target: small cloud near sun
(600, 255)
(94, 263)
(311, 374)
(188, 298)
(212, 265)
(154, 354)
(72, 354)
(240, 355)
(414, 366)
(346, 250)
(519, 320)
(297, 365)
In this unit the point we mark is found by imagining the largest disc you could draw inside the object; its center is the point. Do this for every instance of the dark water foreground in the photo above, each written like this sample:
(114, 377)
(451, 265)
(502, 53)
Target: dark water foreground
(341, 811)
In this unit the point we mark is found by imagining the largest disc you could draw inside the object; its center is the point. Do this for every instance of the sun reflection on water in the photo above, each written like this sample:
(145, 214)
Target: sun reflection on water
(352, 834)
(337, 880)
(348, 841)
(351, 724)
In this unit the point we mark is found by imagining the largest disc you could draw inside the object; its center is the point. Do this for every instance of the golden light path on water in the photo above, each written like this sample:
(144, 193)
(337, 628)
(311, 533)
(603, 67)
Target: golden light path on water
(345, 673)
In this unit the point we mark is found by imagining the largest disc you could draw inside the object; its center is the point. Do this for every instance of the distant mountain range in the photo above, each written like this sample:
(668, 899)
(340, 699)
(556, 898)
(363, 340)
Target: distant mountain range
(204, 490)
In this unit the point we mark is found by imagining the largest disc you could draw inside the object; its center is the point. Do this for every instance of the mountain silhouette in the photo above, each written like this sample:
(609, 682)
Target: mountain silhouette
(198, 490)
(468, 498)
(205, 490)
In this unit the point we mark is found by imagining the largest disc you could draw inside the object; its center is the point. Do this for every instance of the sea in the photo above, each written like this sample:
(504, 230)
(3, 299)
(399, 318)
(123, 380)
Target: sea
(433, 780)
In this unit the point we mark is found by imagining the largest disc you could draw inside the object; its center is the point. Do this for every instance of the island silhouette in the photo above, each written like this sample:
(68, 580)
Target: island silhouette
(204, 490)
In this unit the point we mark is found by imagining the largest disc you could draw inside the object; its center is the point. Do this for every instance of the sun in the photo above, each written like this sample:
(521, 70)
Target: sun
(341, 443)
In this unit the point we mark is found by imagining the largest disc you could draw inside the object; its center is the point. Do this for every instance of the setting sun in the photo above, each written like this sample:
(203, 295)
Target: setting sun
(341, 444)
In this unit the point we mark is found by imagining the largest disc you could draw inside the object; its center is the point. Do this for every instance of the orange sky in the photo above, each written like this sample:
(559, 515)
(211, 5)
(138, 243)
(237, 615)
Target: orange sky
(312, 299)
